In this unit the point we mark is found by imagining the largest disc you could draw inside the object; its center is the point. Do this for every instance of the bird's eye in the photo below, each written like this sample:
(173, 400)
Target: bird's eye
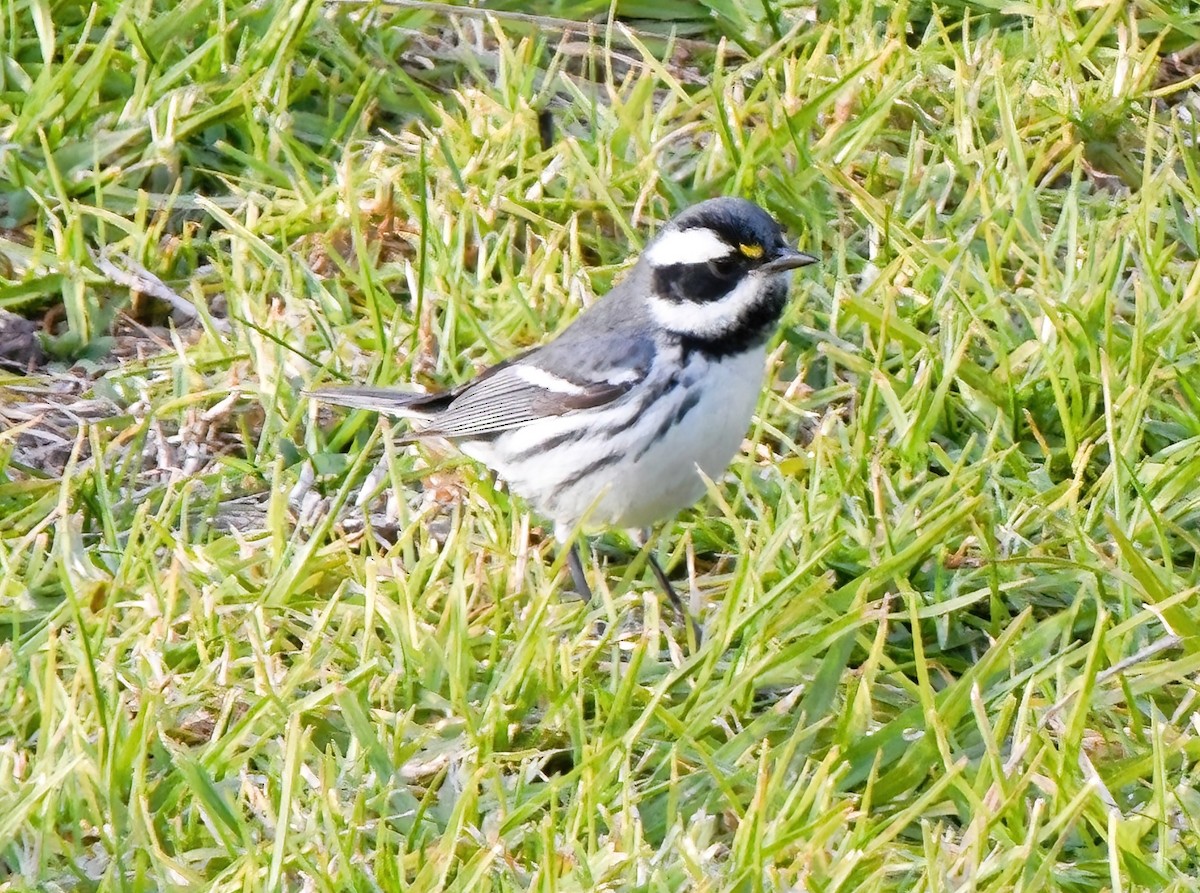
(723, 267)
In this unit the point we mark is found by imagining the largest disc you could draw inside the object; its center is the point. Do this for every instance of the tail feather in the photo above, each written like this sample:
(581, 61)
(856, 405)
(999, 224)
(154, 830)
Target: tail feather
(405, 404)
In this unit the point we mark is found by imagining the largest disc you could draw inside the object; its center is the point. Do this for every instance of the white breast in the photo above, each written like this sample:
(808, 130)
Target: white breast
(667, 477)
(640, 472)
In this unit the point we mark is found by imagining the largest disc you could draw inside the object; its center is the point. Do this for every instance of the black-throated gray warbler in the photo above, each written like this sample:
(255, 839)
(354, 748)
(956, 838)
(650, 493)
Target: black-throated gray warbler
(612, 422)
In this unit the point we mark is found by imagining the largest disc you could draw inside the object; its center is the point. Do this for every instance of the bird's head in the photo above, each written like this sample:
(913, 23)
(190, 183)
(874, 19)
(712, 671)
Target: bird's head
(719, 269)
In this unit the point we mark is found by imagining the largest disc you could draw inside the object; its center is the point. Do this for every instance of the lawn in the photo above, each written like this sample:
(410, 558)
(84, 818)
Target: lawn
(948, 589)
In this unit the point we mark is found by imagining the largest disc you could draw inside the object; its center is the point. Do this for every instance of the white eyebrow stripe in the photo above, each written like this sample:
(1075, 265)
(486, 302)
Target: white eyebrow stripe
(548, 381)
(687, 246)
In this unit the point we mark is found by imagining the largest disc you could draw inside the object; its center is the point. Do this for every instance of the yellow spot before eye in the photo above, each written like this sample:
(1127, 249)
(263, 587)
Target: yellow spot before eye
(754, 252)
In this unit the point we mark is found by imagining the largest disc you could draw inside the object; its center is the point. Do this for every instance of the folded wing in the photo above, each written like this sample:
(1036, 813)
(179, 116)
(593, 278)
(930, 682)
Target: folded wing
(547, 382)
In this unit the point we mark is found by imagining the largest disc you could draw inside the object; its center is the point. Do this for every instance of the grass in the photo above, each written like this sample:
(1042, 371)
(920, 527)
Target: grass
(949, 590)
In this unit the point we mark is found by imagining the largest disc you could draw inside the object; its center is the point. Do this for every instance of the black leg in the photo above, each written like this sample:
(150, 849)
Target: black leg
(578, 577)
(684, 615)
(661, 576)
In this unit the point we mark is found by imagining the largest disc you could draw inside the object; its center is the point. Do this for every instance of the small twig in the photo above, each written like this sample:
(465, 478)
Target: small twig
(138, 278)
(1120, 666)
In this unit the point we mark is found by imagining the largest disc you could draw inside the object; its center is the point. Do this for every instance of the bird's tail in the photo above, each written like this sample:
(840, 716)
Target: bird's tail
(405, 404)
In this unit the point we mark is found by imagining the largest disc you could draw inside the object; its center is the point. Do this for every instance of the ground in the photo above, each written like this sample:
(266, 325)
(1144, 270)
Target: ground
(948, 589)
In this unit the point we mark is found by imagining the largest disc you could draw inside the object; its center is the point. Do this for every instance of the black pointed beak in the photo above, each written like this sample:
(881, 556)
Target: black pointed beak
(787, 258)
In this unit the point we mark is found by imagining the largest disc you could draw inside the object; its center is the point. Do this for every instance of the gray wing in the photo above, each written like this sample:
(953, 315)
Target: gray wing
(551, 381)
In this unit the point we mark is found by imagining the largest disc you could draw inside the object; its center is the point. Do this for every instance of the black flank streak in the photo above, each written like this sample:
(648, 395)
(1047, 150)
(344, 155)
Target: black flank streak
(588, 470)
(581, 401)
(608, 458)
(681, 412)
(547, 445)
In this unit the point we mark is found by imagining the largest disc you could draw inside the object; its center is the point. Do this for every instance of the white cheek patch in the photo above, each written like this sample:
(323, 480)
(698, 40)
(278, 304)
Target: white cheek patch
(687, 246)
(709, 319)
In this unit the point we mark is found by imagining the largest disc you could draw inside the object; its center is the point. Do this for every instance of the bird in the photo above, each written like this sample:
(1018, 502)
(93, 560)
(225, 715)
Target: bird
(618, 420)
